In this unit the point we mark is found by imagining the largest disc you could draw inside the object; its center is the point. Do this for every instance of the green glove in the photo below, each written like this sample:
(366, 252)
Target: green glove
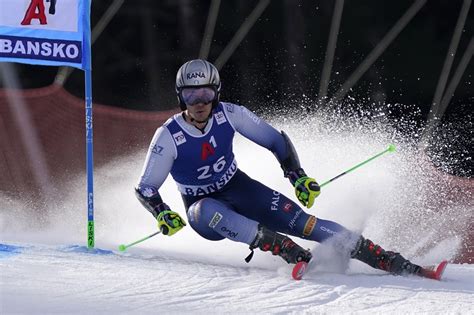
(306, 190)
(169, 222)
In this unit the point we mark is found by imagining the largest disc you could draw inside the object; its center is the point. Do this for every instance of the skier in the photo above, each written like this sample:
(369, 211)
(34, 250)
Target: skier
(221, 201)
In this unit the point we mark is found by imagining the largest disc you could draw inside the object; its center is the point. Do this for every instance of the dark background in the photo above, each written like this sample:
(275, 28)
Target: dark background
(136, 58)
(279, 63)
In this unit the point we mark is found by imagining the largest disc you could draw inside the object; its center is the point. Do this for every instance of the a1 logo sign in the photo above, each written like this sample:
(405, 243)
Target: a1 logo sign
(208, 148)
(41, 14)
(36, 10)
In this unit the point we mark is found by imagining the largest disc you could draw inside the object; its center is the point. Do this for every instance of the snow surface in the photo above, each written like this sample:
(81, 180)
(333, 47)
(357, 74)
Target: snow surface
(45, 279)
(45, 268)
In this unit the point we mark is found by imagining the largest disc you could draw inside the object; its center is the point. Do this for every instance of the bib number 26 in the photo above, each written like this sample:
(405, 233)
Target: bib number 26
(207, 170)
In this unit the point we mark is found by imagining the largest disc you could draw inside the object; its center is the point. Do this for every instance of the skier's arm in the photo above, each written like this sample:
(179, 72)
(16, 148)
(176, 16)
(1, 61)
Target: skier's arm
(257, 130)
(306, 188)
(158, 163)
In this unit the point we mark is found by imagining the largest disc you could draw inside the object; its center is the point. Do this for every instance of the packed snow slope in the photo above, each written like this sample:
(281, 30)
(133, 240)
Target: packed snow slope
(44, 279)
(393, 200)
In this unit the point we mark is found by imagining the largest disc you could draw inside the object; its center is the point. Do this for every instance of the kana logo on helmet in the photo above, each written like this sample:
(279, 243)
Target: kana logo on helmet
(195, 75)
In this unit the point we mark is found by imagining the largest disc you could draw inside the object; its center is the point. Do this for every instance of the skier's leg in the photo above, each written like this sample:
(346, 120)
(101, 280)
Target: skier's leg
(278, 213)
(376, 257)
(350, 243)
(275, 211)
(216, 220)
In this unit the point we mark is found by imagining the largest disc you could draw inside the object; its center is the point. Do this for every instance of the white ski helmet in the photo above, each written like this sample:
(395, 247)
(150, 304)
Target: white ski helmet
(197, 73)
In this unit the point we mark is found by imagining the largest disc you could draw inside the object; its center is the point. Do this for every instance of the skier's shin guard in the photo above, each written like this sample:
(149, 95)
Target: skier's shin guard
(376, 257)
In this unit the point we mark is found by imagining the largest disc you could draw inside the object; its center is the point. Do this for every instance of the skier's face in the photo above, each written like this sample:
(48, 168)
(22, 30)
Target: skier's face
(198, 102)
(199, 112)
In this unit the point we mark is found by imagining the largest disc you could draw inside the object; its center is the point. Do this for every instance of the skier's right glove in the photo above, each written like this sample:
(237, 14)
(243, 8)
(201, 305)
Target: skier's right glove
(306, 188)
(169, 222)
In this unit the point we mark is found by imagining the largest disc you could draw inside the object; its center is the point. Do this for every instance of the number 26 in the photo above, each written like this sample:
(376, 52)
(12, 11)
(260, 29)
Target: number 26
(216, 167)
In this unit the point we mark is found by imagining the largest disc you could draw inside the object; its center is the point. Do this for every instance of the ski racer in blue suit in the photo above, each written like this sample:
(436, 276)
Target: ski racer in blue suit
(221, 201)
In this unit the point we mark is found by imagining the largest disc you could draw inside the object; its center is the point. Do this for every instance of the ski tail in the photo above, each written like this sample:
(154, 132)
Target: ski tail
(434, 272)
(299, 270)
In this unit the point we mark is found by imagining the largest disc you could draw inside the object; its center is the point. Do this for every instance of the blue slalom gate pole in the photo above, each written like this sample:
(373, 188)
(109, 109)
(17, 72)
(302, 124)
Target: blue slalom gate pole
(89, 128)
(89, 161)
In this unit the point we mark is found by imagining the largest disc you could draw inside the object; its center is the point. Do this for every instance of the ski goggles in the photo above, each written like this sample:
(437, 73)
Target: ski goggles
(193, 96)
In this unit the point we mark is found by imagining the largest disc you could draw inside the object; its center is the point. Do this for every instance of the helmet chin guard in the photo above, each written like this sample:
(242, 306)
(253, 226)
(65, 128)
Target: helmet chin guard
(197, 73)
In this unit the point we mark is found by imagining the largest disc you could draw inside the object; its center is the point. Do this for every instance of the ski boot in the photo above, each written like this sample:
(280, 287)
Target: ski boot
(376, 257)
(278, 244)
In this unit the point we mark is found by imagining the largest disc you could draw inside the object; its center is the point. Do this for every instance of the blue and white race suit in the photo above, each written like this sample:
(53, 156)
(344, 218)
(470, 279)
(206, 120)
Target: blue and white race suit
(221, 200)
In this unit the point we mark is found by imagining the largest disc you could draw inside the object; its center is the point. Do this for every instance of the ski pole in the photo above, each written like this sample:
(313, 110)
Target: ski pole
(391, 148)
(123, 247)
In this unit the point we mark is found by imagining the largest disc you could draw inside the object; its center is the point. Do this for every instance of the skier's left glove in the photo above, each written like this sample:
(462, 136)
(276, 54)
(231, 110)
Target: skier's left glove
(169, 222)
(306, 188)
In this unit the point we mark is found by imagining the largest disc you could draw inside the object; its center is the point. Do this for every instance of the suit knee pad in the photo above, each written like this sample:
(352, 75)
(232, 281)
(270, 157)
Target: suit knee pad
(200, 216)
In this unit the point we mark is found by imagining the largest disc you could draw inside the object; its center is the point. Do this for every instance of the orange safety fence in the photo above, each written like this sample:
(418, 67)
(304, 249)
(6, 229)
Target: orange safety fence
(59, 123)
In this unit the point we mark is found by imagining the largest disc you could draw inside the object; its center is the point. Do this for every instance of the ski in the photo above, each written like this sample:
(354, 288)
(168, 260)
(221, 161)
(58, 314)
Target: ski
(299, 270)
(434, 272)
(431, 272)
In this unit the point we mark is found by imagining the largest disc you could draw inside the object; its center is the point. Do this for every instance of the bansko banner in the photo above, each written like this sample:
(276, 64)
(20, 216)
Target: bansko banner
(45, 32)
(53, 33)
